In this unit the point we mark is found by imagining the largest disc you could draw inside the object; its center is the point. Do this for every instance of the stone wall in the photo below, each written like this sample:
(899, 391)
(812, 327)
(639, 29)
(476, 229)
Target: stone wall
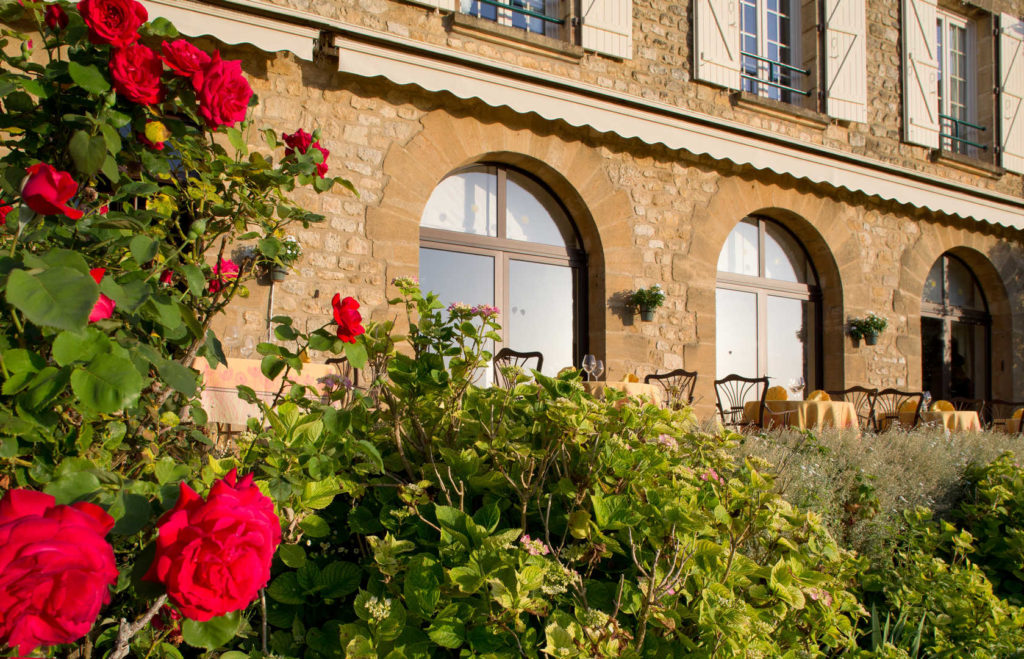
(647, 214)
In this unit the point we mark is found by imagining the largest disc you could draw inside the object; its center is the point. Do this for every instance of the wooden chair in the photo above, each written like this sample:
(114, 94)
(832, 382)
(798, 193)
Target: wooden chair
(888, 403)
(733, 391)
(509, 363)
(974, 405)
(1001, 410)
(863, 400)
(677, 387)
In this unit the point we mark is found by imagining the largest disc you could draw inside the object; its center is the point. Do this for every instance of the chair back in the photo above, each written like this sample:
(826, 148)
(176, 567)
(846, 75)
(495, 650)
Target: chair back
(733, 391)
(863, 400)
(509, 364)
(1000, 410)
(890, 402)
(677, 387)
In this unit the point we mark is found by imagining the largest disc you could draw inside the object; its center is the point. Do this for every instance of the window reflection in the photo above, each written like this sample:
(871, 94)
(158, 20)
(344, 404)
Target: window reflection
(457, 276)
(785, 335)
(784, 259)
(528, 216)
(542, 322)
(933, 284)
(466, 202)
(740, 253)
(736, 332)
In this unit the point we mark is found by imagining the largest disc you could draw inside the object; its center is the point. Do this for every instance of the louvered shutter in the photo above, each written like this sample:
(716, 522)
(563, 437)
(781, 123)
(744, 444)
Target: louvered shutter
(846, 93)
(1011, 92)
(717, 42)
(920, 73)
(608, 27)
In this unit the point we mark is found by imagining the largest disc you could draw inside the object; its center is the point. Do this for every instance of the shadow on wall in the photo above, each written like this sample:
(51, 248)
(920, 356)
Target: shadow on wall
(621, 307)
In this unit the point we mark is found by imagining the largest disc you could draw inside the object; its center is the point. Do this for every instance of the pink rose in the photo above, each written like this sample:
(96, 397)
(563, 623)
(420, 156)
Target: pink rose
(214, 555)
(183, 58)
(222, 91)
(48, 190)
(104, 307)
(114, 22)
(55, 569)
(136, 71)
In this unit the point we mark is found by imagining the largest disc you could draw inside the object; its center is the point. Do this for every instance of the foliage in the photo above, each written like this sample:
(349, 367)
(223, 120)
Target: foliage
(140, 207)
(647, 298)
(532, 521)
(870, 325)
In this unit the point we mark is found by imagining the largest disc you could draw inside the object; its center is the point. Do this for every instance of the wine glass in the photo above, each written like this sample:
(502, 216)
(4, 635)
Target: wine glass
(598, 369)
(589, 363)
(796, 385)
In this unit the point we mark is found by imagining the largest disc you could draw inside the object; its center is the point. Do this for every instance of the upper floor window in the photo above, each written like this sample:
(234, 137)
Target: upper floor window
(536, 16)
(769, 33)
(956, 83)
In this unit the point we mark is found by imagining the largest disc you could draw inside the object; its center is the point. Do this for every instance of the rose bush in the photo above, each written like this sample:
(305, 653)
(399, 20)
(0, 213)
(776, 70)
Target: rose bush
(56, 569)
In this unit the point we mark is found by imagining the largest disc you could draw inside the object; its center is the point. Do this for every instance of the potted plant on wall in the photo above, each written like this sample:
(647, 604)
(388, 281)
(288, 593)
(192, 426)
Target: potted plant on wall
(868, 328)
(646, 300)
(288, 250)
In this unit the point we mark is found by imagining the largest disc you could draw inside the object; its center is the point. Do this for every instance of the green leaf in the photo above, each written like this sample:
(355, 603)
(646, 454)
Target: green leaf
(178, 376)
(44, 388)
(58, 297)
(143, 249)
(132, 512)
(356, 354)
(113, 140)
(88, 77)
(107, 384)
(423, 584)
(195, 279)
(314, 526)
(237, 140)
(292, 555)
(286, 589)
(213, 633)
(81, 346)
(87, 151)
(212, 350)
(340, 578)
(271, 366)
(73, 487)
(447, 633)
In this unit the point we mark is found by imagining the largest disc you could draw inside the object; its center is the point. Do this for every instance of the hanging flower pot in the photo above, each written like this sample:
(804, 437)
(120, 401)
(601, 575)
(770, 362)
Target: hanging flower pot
(870, 339)
(647, 314)
(278, 273)
(646, 300)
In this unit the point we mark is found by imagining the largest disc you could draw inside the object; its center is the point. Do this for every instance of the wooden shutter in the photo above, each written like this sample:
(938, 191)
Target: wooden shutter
(1011, 92)
(846, 93)
(920, 73)
(716, 49)
(608, 27)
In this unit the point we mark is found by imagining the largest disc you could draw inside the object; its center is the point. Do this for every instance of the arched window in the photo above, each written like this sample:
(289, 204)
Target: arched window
(490, 234)
(955, 332)
(767, 306)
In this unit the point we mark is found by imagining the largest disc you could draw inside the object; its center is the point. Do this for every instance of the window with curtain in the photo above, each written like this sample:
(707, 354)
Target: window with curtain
(955, 332)
(490, 234)
(767, 306)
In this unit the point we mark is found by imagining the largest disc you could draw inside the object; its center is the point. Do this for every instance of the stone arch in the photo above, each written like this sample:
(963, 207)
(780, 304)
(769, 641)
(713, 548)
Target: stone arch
(998, 283)
(822, 225)
(572, 170)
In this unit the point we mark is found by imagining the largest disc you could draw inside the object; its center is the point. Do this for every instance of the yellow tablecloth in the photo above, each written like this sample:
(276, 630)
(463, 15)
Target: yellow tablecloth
(959, 420)
(805, 414)
(651, 392)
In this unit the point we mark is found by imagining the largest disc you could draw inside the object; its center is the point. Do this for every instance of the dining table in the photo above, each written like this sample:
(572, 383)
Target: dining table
(803, 414)
(651, 392)
(952, 420)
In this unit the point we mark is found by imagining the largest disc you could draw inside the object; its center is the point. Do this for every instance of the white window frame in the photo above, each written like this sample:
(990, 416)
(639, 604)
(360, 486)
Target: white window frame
(946, 20)
(506, 16)
(761, 34)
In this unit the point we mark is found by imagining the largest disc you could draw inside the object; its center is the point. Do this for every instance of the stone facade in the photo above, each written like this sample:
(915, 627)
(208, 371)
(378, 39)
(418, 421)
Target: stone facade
(646, 213)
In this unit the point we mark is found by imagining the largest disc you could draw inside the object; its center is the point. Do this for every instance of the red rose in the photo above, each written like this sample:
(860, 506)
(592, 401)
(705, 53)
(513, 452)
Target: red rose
(222, 91)
(136, 71)
(224, 270)
(214, 556)
(56, 19)
(299, 141)
(47, 191)
(347, 317)
(167, 277)
(104, 307)
(302, 142)
(55, 569)
(4, 211)
(183, 58)
(115, 22)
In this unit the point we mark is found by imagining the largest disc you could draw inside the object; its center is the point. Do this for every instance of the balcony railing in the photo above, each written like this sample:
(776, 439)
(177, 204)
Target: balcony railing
(522, 11)
(775, 71)
(958, 127)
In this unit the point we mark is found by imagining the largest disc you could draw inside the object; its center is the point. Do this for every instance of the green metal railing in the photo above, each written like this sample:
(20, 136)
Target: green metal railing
(772, 67)
(523, 10)
(957, 126)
